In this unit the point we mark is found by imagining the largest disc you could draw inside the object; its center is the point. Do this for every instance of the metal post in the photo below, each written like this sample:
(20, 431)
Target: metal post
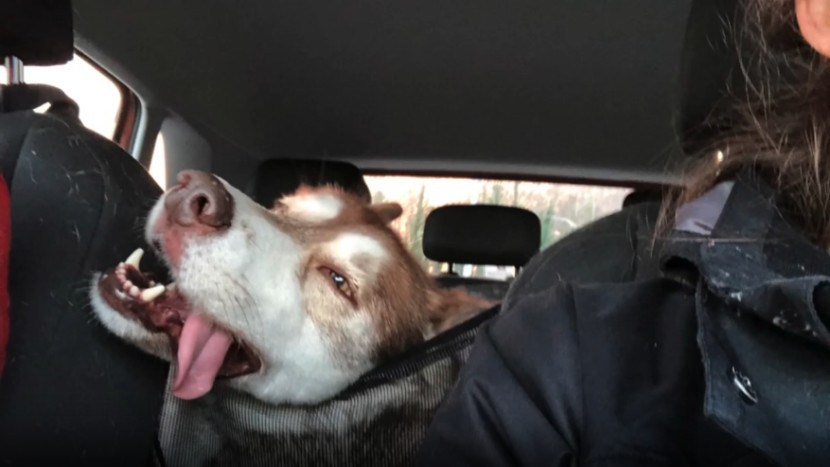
(14, 70)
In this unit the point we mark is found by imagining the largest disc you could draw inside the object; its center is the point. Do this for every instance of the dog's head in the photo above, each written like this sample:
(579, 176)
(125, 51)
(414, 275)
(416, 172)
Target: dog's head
(293, 303)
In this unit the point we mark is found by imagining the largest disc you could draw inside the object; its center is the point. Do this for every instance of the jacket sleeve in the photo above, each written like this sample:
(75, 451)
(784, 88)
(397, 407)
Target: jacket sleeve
(519, 397)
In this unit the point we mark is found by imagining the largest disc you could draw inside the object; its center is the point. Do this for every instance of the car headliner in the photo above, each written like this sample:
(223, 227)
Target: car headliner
(570, 88)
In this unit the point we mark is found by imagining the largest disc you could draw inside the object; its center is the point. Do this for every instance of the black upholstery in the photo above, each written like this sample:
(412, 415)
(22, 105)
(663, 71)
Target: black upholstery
(39, 32)
(71, 393)
(481, 234)
(709, 72)
(278, 177)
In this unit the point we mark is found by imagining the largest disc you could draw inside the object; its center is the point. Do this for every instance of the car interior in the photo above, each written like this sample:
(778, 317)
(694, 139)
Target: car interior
(272, 95)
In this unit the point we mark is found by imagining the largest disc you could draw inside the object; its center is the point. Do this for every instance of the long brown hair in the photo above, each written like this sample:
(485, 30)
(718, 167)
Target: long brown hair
(780, 123)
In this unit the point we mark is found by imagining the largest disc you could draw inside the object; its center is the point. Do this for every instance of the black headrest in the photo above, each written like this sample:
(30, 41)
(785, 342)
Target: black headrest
(278, 177)
(709, 71)
(644, 195)
(38, 32)
(482, 234)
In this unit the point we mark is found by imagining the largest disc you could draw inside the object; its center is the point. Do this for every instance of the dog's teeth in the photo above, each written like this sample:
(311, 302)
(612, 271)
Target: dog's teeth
(134, 291)
(135, 258)
(148, 295)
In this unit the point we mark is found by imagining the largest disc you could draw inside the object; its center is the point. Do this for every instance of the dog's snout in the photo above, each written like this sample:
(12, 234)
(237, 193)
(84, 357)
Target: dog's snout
(199, 199)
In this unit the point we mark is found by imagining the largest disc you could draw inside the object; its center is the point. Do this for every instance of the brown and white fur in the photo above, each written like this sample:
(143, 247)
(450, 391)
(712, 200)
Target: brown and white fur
(303, 298)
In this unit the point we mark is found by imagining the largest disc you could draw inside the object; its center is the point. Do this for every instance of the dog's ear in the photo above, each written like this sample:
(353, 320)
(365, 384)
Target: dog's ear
(279, 202)
(387, 211)
(278, 205)
(451, 307)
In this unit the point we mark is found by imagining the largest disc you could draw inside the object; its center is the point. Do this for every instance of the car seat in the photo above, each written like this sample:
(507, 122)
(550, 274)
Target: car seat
(71, 393)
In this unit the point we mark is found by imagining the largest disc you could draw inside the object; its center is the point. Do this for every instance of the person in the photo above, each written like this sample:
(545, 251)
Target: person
(719, 354)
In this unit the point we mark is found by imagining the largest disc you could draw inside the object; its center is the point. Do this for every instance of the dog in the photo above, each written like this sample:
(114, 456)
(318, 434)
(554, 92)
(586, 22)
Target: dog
(288, 308)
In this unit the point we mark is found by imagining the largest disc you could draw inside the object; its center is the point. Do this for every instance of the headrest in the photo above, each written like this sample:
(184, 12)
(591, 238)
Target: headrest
(644, 195)
(278, 177)
(708, 72)
(38, 32)
(482, 234)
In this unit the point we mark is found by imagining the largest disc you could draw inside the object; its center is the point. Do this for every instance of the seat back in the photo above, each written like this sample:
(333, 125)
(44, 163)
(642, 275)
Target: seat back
(70, 390)
(70, 394)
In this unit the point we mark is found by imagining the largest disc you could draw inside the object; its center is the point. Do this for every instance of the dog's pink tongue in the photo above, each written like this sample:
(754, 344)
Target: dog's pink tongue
(202, 349)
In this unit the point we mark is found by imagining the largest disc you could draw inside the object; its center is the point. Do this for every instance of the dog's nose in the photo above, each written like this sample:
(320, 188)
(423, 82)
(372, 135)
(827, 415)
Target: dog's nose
(199, 199)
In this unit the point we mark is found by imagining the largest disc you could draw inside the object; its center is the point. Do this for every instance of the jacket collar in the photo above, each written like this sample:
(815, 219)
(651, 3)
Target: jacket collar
(750, 256)
(764, 347)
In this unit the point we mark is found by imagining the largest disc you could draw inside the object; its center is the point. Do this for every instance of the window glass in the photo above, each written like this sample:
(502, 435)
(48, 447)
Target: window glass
(98, 97)
(561, 208)
(158, 165)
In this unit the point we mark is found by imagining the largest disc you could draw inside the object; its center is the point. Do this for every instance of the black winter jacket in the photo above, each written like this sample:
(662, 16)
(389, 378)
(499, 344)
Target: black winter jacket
(716, 354)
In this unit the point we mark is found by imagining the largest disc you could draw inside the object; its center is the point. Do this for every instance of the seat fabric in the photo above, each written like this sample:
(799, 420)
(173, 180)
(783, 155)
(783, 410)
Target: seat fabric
(71, 393)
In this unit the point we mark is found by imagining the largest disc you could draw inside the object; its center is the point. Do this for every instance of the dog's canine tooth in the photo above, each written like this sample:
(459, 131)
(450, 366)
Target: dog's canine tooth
(135, 258)
(148, 295)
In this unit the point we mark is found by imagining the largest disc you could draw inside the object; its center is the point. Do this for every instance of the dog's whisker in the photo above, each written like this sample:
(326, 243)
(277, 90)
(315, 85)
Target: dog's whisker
(243, 300)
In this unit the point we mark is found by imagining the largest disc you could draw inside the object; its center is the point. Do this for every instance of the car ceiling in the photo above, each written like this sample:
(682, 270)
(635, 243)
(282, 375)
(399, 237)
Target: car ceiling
(551, 87)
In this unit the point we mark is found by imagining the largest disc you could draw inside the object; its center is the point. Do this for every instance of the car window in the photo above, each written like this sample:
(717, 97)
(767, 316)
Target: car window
(158, 164)
(97, 95)
(561, 208)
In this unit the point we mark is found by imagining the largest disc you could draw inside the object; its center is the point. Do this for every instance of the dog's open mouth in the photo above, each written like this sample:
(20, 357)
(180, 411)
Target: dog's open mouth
(204, 350)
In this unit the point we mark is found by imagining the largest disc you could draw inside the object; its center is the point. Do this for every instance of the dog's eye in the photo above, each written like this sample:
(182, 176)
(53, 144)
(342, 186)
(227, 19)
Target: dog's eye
(340, 282)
